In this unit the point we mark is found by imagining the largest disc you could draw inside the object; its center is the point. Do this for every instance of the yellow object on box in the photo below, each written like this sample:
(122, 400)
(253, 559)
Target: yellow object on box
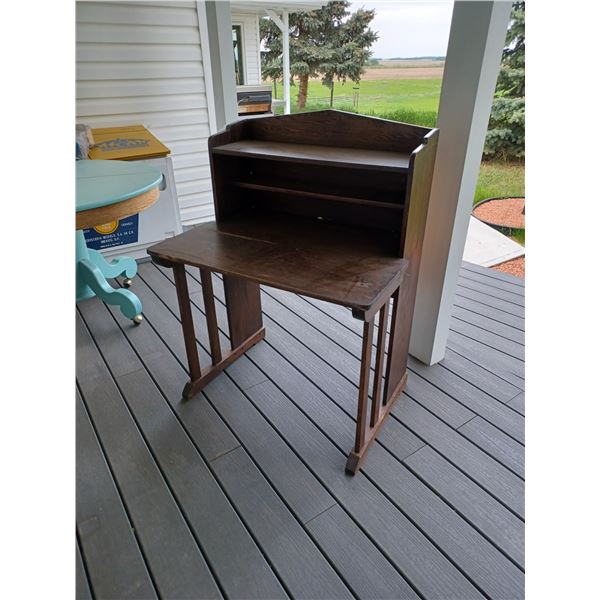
(133, 142)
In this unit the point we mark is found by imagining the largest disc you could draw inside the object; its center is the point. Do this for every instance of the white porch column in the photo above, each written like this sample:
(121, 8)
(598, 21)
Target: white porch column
(286, 61)
(218, 59)
(283, 23)
(477, 36)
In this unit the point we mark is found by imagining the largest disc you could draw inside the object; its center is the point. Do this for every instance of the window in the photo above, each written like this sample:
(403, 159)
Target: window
(237, 54)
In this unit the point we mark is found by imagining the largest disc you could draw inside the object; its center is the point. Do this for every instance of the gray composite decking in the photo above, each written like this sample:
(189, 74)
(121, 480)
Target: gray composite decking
(241, 491)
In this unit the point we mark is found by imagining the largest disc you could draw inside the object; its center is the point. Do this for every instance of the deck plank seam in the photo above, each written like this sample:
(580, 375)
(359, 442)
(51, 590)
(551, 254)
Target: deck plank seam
(465, 473)
(518, 284)
(519, 294)
(487, 345)
(518, 314)
(250, 456)
(485, 368)
(489, 312)
(84, 561)
(463, 516)
(504, 403)
(118, 487)
(492, 273)
(487, 330)
(464, 284)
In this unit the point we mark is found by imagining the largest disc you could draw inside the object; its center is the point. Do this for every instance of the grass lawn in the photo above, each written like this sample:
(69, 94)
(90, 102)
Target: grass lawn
(499, 178)
(410, 100)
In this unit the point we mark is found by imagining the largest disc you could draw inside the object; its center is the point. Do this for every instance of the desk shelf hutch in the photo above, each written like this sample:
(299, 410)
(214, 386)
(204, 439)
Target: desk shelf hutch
(327, 204)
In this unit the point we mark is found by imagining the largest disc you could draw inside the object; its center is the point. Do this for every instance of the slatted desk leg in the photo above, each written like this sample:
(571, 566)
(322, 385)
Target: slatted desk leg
(187, 323)
(211, 316)
(380, 404)
(220, 360)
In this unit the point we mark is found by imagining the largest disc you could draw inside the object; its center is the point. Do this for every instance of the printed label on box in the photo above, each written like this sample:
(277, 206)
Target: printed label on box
(115, 233)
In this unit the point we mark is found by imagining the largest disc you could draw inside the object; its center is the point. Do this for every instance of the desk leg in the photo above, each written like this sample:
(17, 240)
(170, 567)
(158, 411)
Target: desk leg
(381, 406)
(241, 297)
(244, 312)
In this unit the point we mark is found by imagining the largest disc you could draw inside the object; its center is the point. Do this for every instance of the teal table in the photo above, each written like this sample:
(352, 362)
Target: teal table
(108, 190)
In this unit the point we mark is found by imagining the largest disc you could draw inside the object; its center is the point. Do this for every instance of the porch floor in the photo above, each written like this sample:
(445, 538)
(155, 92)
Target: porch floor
(241, 491)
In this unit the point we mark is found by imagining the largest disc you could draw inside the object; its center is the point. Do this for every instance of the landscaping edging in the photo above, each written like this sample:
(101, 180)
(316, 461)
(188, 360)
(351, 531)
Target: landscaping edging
(504, 229)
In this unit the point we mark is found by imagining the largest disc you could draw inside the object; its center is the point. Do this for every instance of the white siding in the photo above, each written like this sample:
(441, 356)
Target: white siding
(142, 63)
(251, 46)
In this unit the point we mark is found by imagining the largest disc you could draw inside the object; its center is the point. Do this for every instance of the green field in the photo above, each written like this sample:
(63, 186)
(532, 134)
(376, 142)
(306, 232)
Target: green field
(384, 95)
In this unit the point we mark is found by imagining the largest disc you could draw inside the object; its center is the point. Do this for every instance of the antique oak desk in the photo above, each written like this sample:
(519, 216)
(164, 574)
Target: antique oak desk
(330, 205)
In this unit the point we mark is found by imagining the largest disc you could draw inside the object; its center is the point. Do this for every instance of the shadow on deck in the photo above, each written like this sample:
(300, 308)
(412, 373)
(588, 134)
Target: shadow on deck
(241, 492)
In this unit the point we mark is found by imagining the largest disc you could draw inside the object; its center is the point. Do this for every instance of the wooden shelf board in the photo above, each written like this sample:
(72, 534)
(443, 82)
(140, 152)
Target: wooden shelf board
(314, 194)
(323, 155)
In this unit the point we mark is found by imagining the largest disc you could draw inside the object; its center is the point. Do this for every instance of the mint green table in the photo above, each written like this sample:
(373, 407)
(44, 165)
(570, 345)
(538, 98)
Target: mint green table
(108, 190)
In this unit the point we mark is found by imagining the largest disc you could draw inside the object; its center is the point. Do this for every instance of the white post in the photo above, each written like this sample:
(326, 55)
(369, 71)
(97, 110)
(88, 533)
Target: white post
(477, 37)
(220, 63)
(283, 23)
(286, 61)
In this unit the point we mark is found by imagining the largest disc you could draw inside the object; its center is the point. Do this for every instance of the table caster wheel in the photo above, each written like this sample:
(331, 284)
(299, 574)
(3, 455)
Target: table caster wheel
(127, 282)
(137, 319)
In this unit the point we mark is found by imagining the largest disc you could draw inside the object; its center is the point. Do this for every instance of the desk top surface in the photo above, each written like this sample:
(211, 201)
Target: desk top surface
(105, 182)
(314, 258)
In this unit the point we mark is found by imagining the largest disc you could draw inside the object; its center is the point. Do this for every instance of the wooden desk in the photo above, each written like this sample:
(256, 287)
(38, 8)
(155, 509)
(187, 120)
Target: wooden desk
(342, 224)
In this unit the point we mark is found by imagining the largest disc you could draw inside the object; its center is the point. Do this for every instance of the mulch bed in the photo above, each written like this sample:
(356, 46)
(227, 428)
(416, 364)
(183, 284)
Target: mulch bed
(505, 212)
(515, 267)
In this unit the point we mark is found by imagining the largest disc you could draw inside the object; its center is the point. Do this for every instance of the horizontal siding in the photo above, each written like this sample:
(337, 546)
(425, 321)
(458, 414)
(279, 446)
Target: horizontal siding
(251, 55)
(142, 63)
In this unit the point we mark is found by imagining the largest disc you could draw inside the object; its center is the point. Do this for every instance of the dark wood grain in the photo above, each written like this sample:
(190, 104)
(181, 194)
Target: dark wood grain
(211, 316)
(304, 256)
(244, 312)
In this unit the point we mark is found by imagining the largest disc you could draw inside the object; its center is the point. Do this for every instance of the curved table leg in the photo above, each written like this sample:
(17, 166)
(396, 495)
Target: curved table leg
(88, 274)
(120, 266)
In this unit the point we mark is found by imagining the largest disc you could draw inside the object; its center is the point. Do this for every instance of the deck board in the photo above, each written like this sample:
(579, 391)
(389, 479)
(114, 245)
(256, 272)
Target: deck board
(245, 478)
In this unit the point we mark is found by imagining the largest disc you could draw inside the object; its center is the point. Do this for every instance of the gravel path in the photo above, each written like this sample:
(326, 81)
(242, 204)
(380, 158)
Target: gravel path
(514, 267)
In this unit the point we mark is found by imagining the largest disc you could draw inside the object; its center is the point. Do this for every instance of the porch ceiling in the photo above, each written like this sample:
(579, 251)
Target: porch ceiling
(253, 7)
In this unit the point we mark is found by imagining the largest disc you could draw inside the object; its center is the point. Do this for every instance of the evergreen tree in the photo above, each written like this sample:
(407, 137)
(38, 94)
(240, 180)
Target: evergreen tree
(328, 42)
(506, 130)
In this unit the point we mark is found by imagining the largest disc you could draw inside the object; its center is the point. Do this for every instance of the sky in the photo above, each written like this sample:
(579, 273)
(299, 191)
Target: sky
(409, 28)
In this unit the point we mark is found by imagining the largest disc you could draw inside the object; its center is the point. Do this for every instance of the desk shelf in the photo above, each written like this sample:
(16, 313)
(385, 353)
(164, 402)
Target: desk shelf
(377, 160)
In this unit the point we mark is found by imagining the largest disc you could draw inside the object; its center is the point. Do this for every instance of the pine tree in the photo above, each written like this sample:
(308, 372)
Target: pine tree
(329, 42)
(506, 130)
